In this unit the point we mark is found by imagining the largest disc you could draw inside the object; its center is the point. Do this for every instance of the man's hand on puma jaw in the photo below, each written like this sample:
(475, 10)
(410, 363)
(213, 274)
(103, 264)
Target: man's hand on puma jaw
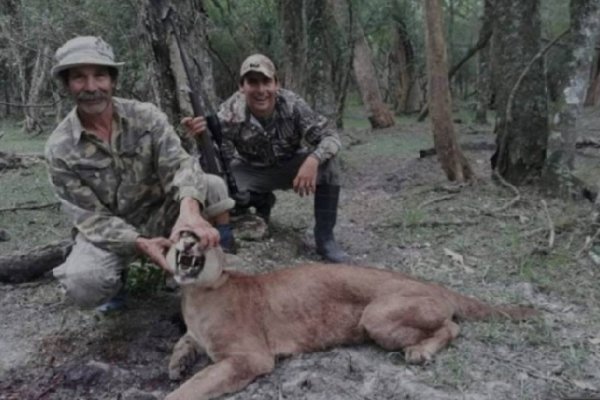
(155, 249)
(207, 235)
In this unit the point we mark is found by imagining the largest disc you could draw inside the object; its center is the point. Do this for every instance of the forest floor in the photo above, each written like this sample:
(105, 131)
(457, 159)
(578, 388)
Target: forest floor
(397, 211)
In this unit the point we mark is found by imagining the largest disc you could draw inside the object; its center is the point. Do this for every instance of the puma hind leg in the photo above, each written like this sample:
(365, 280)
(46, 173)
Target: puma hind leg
(423, 351)
(420, 326)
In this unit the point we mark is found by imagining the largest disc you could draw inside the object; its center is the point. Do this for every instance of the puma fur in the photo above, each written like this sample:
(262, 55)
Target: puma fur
(243, 322)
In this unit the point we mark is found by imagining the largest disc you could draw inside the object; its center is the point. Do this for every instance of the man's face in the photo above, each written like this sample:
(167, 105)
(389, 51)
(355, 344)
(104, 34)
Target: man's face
(92, 87)
(260, 92)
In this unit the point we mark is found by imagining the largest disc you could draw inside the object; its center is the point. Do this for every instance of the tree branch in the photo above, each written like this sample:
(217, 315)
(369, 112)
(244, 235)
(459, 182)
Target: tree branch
(31, 207)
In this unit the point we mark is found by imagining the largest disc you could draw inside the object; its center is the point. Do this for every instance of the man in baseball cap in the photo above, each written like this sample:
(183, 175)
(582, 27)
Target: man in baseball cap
(265, 128)
(122, 175)
(258, 63)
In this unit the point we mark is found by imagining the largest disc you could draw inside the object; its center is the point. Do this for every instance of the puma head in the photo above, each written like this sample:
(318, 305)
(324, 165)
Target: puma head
(192, 264)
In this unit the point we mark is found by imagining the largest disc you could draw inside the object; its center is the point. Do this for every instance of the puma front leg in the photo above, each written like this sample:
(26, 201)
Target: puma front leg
(228, 375)
(184, 355)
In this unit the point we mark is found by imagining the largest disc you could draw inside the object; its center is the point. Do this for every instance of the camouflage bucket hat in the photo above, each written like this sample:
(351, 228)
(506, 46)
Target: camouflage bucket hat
(258, 63)
(84, 50)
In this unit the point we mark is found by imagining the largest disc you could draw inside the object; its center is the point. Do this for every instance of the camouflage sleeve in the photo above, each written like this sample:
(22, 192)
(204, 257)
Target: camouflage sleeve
(316, 131)
(179, 172)
(228, 129)
(91, 218)
(227, 144)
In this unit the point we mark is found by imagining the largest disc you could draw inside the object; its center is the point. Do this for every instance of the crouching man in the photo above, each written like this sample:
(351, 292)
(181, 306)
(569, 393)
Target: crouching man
(121, 174)
(273, 140)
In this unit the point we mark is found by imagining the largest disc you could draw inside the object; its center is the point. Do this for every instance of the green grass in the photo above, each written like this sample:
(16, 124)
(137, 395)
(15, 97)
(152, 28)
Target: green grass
(23, 186)
(27, 187)
(27, 228)
(14, 140)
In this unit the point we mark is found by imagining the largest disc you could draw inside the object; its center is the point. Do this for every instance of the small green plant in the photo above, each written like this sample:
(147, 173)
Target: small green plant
(575, 356)
(144, 277)
(413, 216)
(450, 369)
(537, 332)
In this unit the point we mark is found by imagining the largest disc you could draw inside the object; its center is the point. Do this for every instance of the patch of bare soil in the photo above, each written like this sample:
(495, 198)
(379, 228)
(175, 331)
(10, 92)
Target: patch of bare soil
(398, 212)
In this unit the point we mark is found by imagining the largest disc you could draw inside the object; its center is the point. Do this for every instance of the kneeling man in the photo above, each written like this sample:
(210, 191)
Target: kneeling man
(122, 175)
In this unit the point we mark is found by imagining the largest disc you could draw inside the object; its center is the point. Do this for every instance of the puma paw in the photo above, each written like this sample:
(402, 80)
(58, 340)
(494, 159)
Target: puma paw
(417, 355)
(179, 364)
(176, 371)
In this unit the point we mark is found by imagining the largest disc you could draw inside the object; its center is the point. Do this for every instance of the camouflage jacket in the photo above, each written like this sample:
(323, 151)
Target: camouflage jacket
(110, 191)
(293, 126)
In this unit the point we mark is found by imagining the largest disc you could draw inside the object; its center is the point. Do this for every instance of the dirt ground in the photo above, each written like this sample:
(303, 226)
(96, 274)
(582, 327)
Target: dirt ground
(398, 212)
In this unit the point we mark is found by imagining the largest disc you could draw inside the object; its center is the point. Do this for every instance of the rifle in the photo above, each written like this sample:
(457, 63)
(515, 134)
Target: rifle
(212, 160)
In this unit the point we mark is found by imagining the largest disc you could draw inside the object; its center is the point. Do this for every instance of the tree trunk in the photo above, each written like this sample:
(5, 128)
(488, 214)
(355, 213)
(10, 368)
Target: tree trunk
(342, 12)
(484, 81)
(378, 112)
(38, 81)
(27, 266)
(481, 43)
(320, 92)
(402, 72)
(189, 18)
(11, 28)
(593, 90)
(292, 17)
(585, 28)
(451, 158)
(522, 111)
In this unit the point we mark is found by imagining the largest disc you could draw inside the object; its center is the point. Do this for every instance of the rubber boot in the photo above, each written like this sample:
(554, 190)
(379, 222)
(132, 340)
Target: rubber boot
(119, 301)
(226, 241)
(263, 204)
(326, 205)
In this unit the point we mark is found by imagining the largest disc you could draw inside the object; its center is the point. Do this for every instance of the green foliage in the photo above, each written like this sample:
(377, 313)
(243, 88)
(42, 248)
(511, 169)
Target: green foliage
(238, 29)
(13, 140)
(544, 269)
(144, 277)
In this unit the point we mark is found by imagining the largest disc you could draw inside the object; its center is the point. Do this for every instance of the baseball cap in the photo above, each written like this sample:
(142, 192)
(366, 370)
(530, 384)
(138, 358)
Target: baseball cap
(84, 50)
(258, 63)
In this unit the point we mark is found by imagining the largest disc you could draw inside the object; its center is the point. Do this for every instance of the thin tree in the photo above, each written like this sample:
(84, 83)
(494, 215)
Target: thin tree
(484, 73)
(403, 80)
(320, 92)
(451, 158)
(593, 90)
(521, 103)
(557, 177)
(292, 18)
(189, 19)
(365, 73)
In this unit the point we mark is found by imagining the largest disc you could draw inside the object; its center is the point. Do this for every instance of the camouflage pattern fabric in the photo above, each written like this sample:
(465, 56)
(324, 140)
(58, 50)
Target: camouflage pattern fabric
(111, 191)
(293, 126)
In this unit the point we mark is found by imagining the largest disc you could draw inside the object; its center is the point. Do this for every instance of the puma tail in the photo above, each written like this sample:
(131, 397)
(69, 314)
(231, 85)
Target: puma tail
(469, 308)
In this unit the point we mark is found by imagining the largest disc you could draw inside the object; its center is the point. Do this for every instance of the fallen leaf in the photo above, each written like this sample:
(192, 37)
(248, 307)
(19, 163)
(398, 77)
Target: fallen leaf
(595, 341)
(584, 385)
(458, 259)
(455, 256)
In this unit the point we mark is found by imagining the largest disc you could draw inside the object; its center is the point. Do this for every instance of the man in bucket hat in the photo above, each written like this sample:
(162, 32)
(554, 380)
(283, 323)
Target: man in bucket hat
(265, 128)
(121, 174)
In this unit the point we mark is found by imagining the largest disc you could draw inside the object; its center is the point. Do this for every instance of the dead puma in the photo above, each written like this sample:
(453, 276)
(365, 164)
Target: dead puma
(243, 322)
